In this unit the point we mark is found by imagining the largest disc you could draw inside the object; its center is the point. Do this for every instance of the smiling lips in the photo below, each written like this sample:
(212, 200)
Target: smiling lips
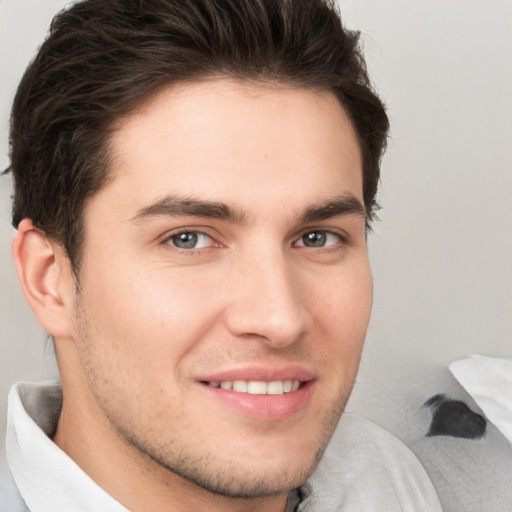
(262, 400)
(257, 387)
(264, 393)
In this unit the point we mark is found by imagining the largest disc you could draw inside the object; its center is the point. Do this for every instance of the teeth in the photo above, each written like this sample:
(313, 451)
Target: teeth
(275, 388)
(240, 386)
(258, 387)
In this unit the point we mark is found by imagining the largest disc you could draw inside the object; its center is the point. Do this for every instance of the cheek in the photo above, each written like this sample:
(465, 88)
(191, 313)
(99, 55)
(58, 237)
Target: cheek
(148, 316)
(346, 301)
(342, 312)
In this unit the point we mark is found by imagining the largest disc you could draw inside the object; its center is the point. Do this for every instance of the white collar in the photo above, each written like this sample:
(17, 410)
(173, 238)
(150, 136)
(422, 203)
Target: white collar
(46, 477)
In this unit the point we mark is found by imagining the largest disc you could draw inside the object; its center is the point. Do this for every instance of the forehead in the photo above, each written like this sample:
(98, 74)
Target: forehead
(234, 141)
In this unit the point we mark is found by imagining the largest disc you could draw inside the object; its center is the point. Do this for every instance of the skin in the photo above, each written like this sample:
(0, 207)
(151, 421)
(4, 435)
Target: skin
(150, 321)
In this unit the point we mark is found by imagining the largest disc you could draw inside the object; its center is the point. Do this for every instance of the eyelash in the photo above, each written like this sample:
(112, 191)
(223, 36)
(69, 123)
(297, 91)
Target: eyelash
(168, 240)
(341, 239)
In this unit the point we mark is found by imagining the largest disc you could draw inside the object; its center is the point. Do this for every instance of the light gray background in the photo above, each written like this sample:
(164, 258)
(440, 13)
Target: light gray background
(442, 253)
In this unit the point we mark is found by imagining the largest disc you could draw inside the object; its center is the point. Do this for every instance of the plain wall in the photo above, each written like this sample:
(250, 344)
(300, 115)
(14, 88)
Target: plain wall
(442, 252)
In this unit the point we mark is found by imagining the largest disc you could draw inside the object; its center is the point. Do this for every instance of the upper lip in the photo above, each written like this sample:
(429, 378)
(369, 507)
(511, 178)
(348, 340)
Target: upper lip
(266, 373)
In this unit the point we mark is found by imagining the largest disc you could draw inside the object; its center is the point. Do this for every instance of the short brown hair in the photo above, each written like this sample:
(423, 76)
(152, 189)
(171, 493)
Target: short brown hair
(103, 58)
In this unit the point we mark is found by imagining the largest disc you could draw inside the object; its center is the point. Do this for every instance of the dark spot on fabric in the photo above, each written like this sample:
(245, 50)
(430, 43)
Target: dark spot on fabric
(454, 418)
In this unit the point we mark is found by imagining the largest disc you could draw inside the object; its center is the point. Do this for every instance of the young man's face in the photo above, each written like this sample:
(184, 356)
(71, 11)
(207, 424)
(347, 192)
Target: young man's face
(228, 251)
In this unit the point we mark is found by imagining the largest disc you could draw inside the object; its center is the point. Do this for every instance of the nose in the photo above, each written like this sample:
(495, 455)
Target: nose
(268, 302)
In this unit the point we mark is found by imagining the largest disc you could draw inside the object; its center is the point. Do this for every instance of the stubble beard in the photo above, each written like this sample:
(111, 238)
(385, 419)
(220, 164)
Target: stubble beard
(231, 479)
(228, 478)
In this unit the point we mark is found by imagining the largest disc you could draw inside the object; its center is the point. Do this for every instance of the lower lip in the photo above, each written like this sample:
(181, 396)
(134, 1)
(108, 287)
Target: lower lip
(264, 407)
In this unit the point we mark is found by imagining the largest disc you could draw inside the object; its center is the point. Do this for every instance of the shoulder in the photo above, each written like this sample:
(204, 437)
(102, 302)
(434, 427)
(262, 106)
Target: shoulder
(365, 468)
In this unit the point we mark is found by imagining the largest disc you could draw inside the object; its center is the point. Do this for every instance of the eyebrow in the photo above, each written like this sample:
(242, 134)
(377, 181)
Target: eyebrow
(339, 206)
(190, 207)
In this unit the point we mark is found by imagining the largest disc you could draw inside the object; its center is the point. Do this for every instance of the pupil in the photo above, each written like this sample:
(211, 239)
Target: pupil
(315, 239)
(185, 240)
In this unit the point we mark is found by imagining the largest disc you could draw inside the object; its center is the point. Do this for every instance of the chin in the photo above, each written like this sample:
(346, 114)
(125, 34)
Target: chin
(260, 470)
(239, 482)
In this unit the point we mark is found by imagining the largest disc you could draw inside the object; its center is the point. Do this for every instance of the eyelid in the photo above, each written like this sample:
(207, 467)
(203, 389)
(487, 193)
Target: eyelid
(341, 235)
(164, 240)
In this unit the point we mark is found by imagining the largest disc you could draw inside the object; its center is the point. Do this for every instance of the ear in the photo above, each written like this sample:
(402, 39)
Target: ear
(46, 279)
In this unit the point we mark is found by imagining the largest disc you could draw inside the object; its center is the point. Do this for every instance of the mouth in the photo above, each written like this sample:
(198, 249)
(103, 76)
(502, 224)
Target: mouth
(257, 387)
(261, 392)
(263, 400)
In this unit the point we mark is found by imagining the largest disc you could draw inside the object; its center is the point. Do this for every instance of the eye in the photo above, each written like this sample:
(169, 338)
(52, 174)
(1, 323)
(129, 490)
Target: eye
(190, 240)
(319, 238)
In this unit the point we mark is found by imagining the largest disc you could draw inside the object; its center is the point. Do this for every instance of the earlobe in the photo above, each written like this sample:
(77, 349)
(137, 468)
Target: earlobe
(45, 277)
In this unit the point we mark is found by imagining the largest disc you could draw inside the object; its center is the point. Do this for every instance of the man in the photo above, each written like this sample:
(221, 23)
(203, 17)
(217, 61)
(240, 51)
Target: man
(194, 181)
